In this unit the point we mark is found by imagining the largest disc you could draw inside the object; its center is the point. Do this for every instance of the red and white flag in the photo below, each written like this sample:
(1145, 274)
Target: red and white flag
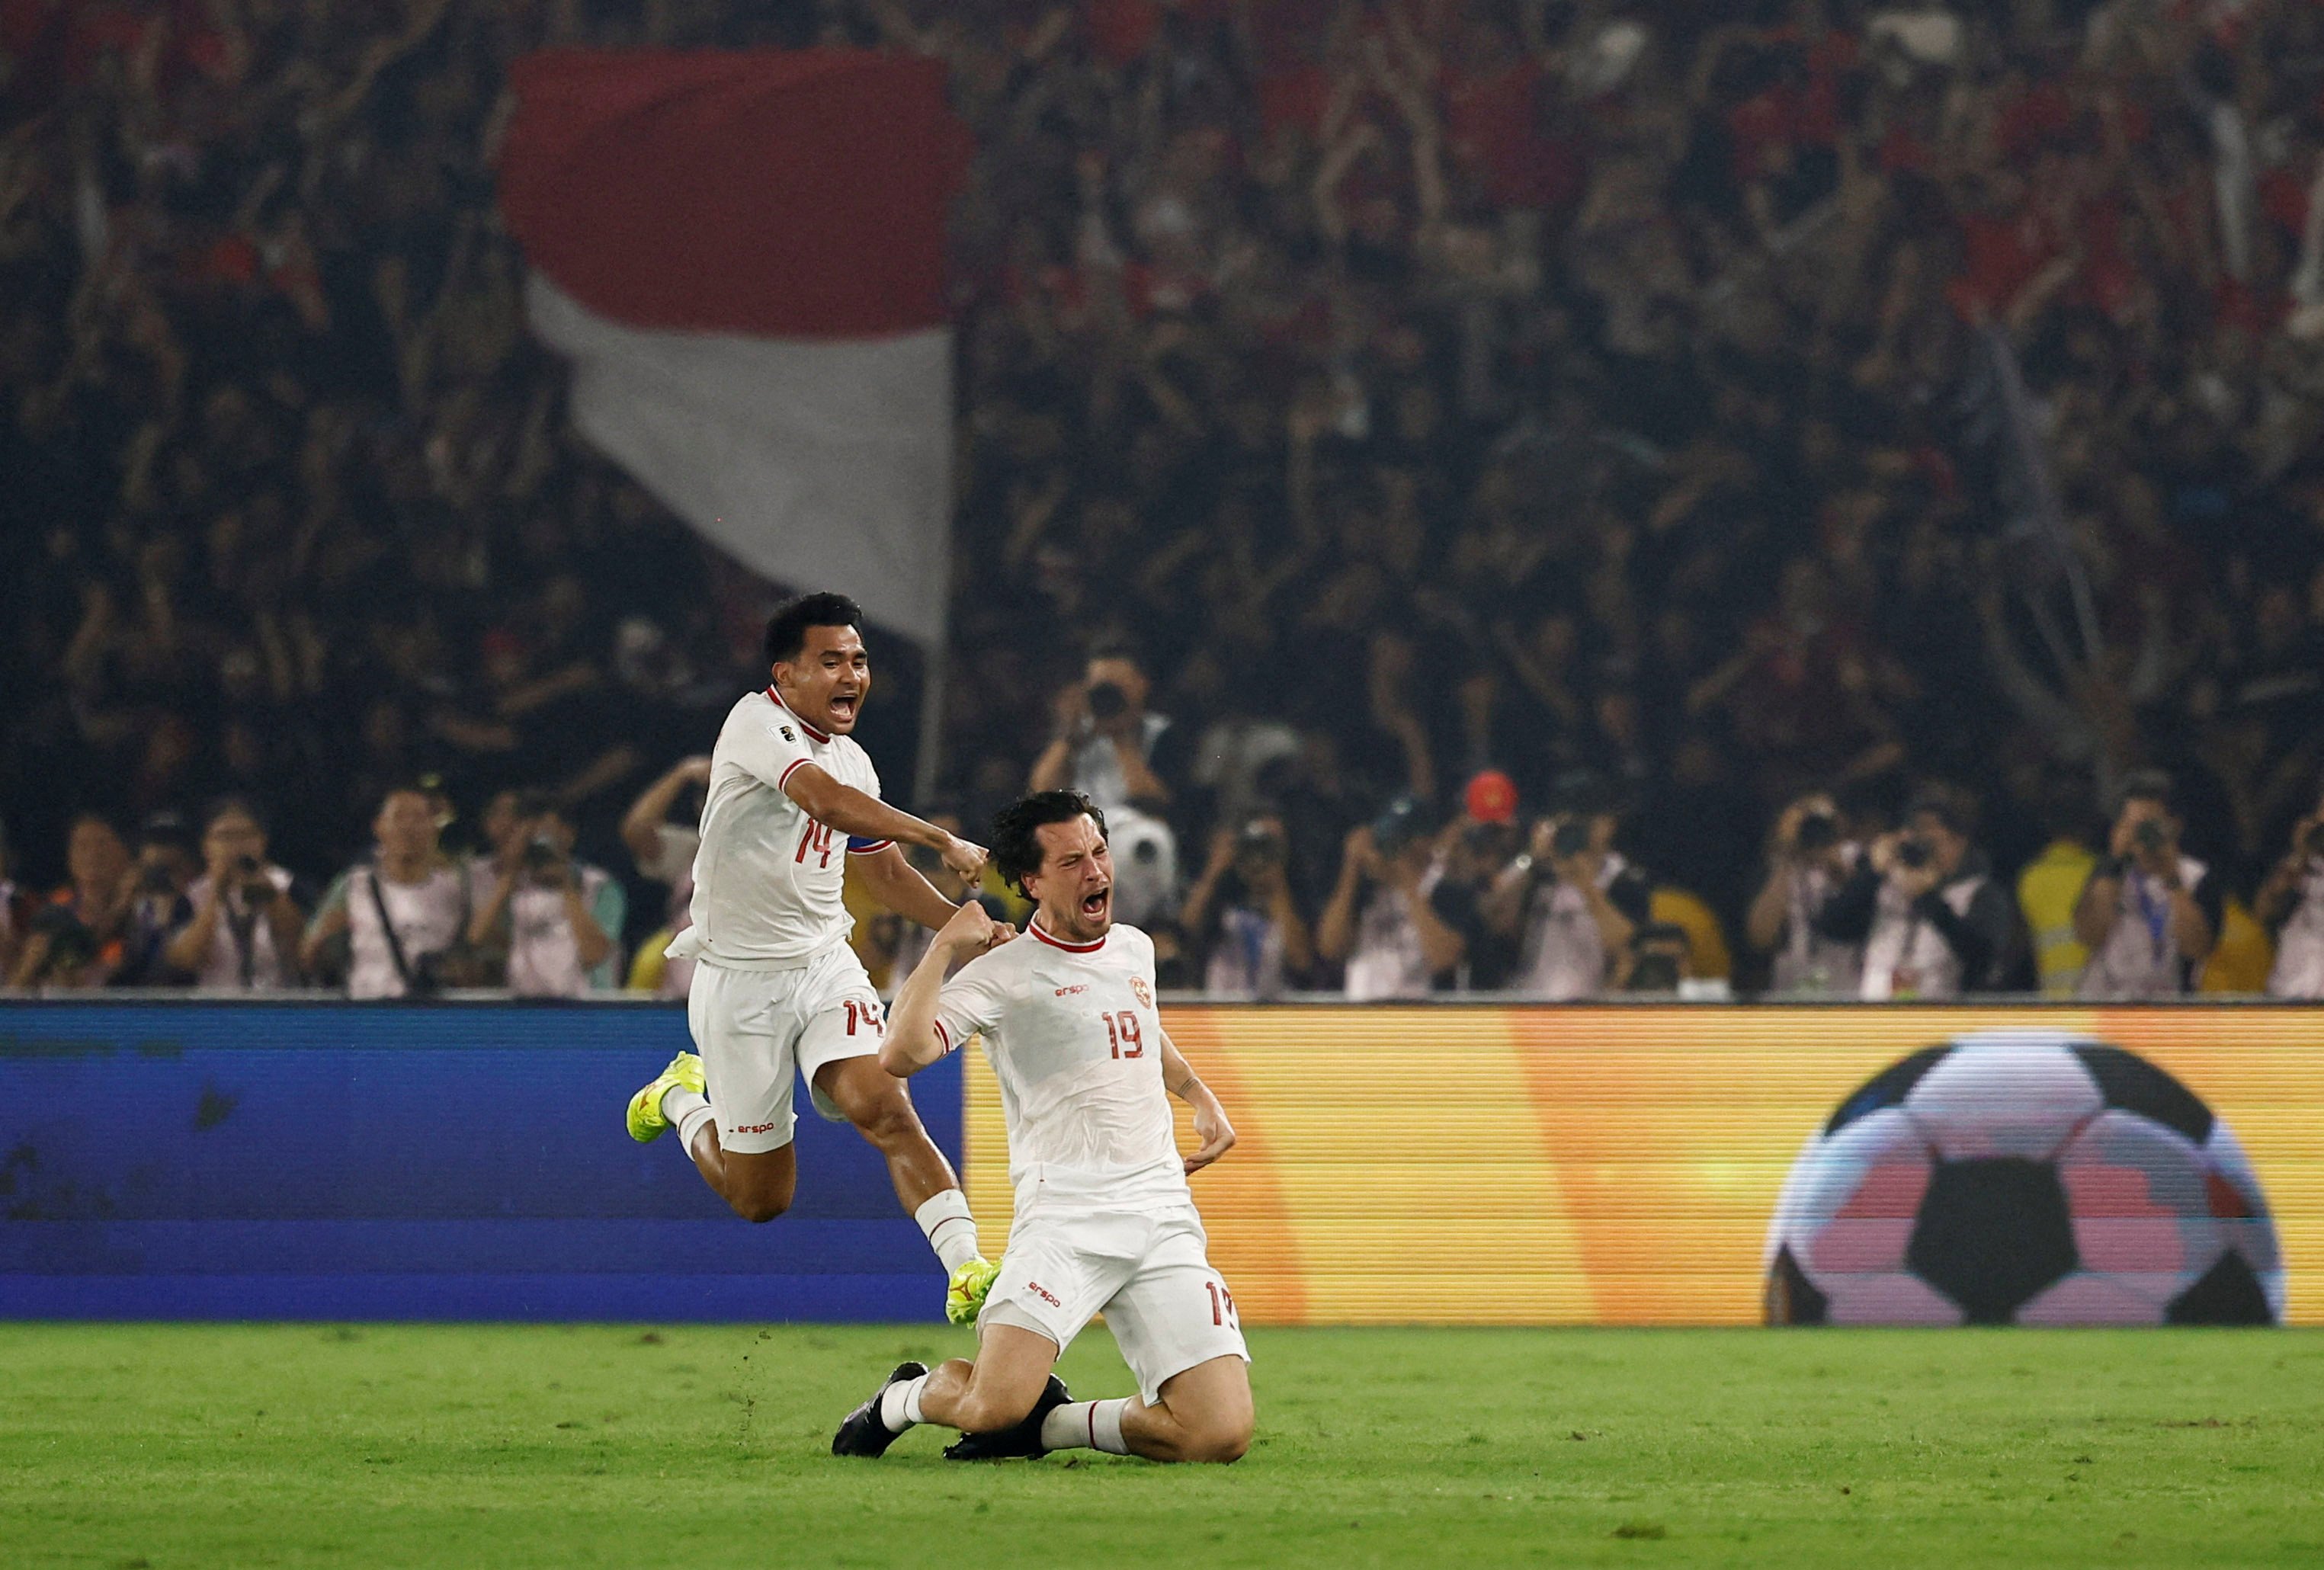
(743, 256)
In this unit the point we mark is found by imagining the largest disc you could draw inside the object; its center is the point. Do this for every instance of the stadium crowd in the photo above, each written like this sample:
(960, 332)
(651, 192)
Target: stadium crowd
(1547, 496)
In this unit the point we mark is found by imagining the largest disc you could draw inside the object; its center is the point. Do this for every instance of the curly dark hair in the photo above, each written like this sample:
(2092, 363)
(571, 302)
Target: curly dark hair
(1015, 840)
(787, 628)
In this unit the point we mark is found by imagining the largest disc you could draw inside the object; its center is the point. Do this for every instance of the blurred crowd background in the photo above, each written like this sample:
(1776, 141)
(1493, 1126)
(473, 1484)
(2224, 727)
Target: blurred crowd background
(1557, 497)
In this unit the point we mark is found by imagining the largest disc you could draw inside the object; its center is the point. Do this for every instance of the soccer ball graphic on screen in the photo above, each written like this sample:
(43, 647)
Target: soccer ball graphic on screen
(2024, 1177)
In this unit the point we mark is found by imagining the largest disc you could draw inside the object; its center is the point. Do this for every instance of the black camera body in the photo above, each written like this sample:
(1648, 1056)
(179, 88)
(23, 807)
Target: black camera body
(1915, 853)
(1107, 701)
(1569, 838)
(1817, 831)
(2151, 836)
(1397, 827)
(542, 855)
(1259, 843)
(71, 942)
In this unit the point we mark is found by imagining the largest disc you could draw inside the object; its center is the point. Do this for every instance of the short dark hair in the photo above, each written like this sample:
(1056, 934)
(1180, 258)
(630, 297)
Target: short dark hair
(1016, 839)
(233, 803)
(2148, 785)
(787, 628)
(1115, 646)
(1947, 806)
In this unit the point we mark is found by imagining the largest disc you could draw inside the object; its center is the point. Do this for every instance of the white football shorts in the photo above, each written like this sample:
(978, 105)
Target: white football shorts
(1149, 1275)
(757, 1030)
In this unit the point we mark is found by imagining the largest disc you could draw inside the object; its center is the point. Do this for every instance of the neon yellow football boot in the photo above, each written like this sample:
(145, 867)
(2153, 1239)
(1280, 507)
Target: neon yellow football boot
(646, 1122)
(964, 1293)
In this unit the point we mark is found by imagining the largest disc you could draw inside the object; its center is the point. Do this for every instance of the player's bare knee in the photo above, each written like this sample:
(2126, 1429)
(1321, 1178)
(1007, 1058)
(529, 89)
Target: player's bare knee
(759, 1208)
(760, 1202)
(1218, 1442)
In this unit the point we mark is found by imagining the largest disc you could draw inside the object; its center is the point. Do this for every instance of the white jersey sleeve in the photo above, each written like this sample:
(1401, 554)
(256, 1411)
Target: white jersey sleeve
(769, 745)
(975, 998)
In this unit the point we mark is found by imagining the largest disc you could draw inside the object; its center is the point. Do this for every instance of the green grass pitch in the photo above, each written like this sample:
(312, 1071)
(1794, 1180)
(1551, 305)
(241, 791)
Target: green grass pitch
(169, 1446)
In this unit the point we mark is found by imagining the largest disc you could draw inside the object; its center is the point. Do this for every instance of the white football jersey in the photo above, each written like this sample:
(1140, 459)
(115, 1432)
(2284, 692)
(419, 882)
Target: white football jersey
(766, 877)
(1073, 1036)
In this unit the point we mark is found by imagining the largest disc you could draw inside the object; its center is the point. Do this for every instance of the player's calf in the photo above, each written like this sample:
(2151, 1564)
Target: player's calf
(1204, 1414)
(877, 1103)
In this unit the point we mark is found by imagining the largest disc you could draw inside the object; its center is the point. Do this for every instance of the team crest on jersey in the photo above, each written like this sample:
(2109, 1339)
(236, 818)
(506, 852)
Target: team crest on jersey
(1141, 990)
(787, 735)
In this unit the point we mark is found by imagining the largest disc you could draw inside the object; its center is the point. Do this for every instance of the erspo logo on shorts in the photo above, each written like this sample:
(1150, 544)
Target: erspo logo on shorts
(1044, 1294)
(754, 1129)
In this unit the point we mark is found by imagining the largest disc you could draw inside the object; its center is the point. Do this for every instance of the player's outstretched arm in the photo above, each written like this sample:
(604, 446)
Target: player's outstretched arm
(896, 883)
(866, 817)
(913, 1041)
(1210, 1124)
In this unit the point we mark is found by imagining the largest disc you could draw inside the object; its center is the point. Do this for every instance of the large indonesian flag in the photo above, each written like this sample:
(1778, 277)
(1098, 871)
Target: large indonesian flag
(743, 255)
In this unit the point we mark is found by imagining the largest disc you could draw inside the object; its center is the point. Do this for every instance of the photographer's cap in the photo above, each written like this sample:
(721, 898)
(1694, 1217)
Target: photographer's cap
(1491, 797)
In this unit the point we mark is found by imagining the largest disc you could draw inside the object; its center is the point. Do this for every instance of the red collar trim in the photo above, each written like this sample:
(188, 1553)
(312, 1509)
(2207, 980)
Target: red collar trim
(787, 710)
(1035, 928)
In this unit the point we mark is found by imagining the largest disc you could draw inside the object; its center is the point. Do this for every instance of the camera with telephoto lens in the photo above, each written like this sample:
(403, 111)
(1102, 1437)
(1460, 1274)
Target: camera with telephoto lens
(1817, 831)
(71, 942)
(1397, 827)
(542, 855)
(1569, 838)
(1259, 842)
(1106, 700)
(2150, 835)
(1915, 853)
(1658, 955)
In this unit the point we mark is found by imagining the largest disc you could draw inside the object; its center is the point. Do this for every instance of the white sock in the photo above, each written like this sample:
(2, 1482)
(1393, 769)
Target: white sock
(686, 1111)
(900, 1404)
(1086, 1425)
(951, 1232)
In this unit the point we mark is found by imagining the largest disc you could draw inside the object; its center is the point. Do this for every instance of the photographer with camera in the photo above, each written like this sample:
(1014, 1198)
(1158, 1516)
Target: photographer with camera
(1392, 918)
(240, 923)
(1241, 914)
(1923, 904)
(664, 851)
(403, 916)
(552, 918)
(1108, 745)
(2149, 913)
(73, 938)
(1810, 858)
(163, 867)
(2291, 903)
(1572, 902)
